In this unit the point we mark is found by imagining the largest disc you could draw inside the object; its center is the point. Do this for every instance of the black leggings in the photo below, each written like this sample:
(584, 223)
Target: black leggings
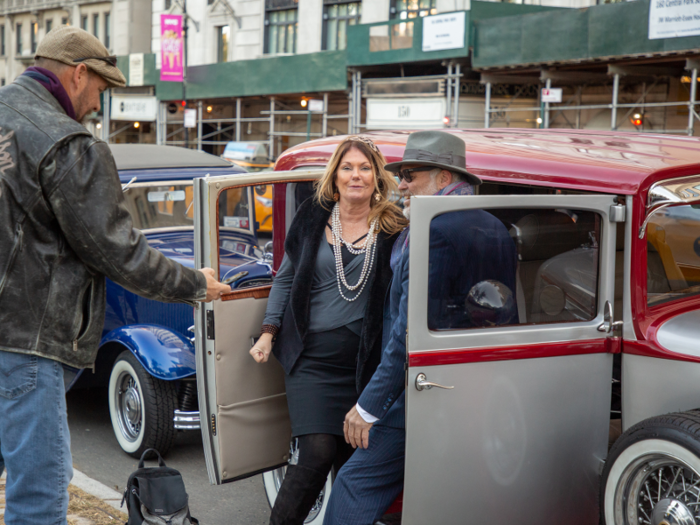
(303, 482)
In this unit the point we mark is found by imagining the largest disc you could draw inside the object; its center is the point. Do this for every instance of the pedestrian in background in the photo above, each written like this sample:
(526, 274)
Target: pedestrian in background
(63, 228)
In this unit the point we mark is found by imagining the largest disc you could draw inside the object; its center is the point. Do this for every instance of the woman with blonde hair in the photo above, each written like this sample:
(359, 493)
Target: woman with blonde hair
(325, 312)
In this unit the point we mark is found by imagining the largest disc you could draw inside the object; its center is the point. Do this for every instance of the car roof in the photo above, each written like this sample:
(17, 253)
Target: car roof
(151, 156)
(588, 160)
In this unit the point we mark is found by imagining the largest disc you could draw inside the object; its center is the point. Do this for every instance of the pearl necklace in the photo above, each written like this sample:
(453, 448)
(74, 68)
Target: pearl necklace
(369, 247)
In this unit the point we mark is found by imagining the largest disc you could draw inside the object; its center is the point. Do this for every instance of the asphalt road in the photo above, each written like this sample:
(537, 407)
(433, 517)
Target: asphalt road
(97, 454)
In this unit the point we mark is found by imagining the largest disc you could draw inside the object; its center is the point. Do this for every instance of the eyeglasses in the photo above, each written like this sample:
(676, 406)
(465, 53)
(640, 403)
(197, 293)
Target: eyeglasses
(405, 174)
(111, 60)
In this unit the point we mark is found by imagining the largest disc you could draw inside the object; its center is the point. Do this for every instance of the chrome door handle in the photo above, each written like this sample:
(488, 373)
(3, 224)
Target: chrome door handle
(422, 384)
(608, 326)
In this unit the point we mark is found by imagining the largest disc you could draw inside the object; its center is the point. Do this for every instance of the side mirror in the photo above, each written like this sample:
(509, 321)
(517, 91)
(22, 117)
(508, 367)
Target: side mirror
(490, 303)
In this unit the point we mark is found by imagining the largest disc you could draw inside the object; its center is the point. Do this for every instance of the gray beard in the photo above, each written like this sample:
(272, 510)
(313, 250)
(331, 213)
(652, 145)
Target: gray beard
(432, 190)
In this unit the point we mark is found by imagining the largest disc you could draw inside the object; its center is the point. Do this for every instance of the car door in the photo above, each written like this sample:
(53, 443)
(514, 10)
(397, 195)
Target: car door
(243, 406)
(521, 432)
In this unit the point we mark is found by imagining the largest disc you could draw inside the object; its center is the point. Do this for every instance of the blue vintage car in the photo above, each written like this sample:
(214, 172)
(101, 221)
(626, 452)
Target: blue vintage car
(146, 356)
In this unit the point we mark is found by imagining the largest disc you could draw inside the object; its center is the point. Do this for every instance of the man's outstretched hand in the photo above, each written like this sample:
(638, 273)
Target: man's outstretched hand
(356, 429)
(214, 288)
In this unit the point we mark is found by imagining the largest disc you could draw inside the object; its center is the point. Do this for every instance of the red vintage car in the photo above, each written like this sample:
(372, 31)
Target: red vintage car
(585, 405)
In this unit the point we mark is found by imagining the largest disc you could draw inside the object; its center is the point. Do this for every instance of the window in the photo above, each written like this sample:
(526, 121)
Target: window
(222, 37)
(394, 36)
(281, 30)
(108, 31)
(2, 40)
(156, 206)
(512, 266)
(2, 81)
(49, 25)
(64, 21)
(84, 22)
(673, 264)
(18, 47)
(168, 4)
(336, 18)
(96, 25)
(403, 9)
(34, 30)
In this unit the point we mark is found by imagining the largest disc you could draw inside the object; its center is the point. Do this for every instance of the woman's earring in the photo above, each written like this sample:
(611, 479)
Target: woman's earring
(336, 197)
(377, 197)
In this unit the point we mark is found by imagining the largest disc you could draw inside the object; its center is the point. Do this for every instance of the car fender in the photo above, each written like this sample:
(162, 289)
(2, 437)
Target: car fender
(163, 353)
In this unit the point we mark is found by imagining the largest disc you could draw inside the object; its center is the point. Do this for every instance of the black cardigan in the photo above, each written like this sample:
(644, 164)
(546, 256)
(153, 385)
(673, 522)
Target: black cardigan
(301, 246)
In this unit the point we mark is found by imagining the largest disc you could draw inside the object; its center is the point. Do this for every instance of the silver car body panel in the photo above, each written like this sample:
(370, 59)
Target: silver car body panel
(680, 334)
(521, 441)
(652, 387)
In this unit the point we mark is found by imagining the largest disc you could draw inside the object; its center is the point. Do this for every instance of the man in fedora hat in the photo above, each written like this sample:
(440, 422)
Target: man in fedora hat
(466, 247)
(64, 226)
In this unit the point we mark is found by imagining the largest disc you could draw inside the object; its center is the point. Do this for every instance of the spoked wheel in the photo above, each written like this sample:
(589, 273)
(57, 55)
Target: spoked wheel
(652, 475)
(273, 481)
(141, 407)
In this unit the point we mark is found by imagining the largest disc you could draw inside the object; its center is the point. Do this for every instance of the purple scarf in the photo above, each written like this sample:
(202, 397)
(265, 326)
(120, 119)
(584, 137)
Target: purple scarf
(401, 243)
(50, 81)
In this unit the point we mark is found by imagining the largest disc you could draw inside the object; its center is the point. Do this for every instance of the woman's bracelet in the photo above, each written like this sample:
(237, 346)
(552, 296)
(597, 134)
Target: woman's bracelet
(269, 329)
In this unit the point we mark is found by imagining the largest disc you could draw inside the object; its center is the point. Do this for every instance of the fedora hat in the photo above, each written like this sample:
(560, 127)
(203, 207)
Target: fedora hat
(436, 149)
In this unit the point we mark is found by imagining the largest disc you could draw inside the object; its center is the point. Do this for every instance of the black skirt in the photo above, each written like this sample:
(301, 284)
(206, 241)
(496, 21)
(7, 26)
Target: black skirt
(321, 388)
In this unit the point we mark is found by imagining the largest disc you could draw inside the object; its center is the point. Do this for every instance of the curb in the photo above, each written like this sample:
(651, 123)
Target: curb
(84, 483)
(97, 489)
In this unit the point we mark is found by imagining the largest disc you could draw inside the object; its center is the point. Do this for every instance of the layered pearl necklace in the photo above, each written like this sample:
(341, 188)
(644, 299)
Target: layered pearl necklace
(368, 247)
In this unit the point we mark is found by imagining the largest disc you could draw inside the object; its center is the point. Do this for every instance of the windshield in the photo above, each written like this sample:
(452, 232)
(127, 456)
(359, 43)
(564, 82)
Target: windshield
(160, 206)
(673, 254)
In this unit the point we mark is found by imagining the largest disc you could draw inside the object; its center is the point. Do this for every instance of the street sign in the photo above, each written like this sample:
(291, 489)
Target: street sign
(551, 94)
(315, 105)
(190, 118)
(133, 107)
(443, 31)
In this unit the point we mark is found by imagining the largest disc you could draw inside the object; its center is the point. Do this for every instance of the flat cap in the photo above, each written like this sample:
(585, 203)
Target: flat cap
(72, 46)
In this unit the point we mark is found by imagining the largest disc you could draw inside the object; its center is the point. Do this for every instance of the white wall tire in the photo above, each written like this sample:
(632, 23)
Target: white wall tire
(141, 407)
(654, 461)
(272, 481)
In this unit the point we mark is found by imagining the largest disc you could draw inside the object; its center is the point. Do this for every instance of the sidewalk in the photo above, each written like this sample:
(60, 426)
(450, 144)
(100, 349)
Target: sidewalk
(91, 502)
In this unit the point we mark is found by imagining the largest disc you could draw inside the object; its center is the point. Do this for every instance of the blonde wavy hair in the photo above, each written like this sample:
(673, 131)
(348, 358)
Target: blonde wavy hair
(390, 218)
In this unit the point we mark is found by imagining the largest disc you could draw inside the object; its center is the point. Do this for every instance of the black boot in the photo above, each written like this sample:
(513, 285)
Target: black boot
(297, 495)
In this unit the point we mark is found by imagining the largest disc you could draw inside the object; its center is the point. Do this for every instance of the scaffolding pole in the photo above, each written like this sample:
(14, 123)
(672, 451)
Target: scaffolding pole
(548, 85)
(455, 103)
(324, 124)
(271, 145)
(107, 99)
(448, 85)
(199, 125)
(691, 105)
(616, 91)
(487, 103)
(238, 120)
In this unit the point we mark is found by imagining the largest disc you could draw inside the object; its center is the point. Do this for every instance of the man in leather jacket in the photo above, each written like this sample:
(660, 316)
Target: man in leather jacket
(63, 228)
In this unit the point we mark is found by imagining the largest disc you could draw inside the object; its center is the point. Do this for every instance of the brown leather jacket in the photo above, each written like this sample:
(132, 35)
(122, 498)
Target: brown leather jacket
(63, 228)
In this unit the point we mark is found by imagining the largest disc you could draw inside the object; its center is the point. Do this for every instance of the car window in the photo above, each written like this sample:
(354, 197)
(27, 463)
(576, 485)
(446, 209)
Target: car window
(673, 254)
(160, 205)
(512, 266)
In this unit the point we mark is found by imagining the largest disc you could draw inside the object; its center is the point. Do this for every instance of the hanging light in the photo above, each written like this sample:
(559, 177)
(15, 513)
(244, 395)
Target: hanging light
(137, 125)
(304, 102)
(210, 109)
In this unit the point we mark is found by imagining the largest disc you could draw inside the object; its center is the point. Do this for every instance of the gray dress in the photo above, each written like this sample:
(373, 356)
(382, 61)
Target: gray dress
(321, 387)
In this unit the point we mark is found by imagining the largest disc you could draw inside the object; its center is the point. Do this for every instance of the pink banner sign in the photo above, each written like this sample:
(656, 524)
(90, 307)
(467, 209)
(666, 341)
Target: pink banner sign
(171, 48)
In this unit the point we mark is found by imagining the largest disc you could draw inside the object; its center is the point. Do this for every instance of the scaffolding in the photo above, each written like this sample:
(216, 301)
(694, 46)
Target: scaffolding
(614, 73)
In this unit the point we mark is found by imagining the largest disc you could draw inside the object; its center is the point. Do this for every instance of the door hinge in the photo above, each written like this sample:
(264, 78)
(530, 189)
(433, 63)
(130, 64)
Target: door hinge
(210, 324)
(213, 424)
(617, 213)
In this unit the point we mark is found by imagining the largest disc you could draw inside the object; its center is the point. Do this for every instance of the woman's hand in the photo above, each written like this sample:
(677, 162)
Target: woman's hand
(261, 350)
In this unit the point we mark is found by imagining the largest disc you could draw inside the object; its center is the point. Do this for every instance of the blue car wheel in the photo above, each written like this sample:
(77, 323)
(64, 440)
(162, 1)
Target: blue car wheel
(141, 407)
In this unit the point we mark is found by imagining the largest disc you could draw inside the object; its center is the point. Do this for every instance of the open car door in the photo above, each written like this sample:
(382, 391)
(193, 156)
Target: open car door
(243, 406)
(514, 427)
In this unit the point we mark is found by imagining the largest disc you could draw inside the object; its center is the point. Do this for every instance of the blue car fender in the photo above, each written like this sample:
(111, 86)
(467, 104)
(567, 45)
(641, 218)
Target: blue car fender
(164, 354)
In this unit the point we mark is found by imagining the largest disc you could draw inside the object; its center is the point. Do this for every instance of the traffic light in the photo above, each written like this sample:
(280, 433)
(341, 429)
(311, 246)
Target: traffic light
(637, 120)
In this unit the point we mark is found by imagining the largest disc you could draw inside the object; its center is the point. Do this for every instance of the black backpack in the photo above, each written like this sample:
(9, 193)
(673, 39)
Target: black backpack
(156, 496)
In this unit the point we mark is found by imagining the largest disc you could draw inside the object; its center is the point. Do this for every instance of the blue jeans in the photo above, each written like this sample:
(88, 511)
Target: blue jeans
(370, 481)
(34, 440)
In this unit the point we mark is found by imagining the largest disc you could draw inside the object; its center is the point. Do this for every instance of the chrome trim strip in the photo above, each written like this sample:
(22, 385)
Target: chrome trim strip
(186, 420)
